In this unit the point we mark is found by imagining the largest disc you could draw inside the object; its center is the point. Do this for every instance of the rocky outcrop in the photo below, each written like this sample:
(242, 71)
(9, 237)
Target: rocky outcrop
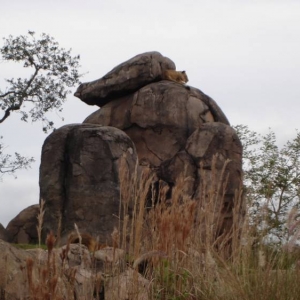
(126, 78)
(22, 228)
(24, 273)
(79, 178)
(176, 131)
(69, 272)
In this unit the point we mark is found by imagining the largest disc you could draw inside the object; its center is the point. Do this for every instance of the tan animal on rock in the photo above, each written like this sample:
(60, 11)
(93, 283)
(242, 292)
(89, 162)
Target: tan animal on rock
(176, 76)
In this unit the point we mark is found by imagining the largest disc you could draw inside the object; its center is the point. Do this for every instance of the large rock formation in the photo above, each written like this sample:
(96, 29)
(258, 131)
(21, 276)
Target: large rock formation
(79, 178)
(177, 131)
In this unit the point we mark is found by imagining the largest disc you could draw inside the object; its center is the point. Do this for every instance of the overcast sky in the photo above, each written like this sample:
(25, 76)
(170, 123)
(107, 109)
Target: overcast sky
(242, 53)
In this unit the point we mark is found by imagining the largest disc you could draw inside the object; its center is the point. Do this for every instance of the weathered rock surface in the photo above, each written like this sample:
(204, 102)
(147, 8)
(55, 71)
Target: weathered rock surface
(212, 147)
(79, 178)
(159, 118)
(177, 131)
(70, 270)
(125, 78)
(129, 285)
(22, 228)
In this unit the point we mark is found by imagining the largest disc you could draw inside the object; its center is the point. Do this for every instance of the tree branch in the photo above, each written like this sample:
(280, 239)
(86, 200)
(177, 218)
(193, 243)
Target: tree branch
(21, 100)
(6, 94)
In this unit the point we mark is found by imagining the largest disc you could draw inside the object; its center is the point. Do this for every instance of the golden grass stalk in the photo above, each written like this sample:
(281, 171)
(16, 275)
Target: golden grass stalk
(40, 218)
(181, 247)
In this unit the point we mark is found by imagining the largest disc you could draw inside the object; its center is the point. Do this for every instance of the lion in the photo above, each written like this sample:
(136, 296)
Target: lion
(176, 76)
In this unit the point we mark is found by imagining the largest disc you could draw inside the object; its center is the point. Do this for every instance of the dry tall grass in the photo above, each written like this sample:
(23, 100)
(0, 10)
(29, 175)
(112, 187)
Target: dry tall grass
(178, 247)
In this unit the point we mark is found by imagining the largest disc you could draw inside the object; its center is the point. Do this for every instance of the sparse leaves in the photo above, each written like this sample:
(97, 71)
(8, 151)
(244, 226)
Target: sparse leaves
(272, 180)
(53, 71)
(9, 164)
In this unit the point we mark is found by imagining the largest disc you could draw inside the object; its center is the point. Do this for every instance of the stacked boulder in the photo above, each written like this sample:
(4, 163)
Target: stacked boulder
(175, 130)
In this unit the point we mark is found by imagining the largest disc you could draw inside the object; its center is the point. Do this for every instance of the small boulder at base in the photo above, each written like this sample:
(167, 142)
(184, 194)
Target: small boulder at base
(22, 229)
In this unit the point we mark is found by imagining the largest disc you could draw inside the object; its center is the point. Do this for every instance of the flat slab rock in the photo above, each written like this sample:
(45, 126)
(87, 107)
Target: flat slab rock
(22, 228)
(125, 78)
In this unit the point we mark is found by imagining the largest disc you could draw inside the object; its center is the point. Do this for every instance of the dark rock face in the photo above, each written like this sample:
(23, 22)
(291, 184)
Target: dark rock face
(212, 147)
(22, 229)
(125, 78)
(79, 178)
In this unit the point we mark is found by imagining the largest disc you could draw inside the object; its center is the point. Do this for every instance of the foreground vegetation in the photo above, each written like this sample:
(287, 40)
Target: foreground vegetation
(199, 263)
(182, 261)
(177, 244)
